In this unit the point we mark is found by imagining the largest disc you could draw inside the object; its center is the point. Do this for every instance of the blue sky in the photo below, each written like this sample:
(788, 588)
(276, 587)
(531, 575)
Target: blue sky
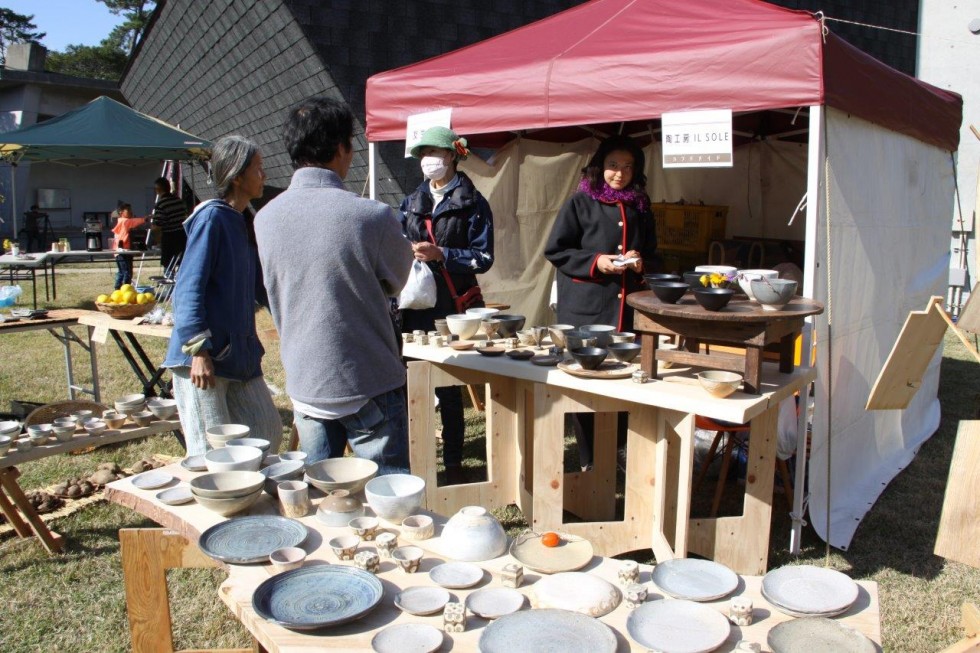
(67, 22)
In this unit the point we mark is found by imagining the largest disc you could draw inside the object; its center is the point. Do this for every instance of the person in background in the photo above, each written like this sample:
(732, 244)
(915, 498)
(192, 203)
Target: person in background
(214, 353)
(450, 225)
(606, 221)
(32, 237)
(332, 261)
(169, 214)
(125, 223)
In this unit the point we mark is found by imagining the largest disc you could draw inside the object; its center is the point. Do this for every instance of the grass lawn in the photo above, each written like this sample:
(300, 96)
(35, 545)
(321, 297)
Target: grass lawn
(74, 601)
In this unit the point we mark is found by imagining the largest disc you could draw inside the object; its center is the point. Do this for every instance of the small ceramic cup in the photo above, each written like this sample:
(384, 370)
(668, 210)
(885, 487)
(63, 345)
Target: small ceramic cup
(364, 527)
(408, 338)
(344, 546)
(293, 455)
(639, 376)
(386, 543)
(408, 558)
(622, 336)
(418, 527)
(287, 558)
(294, 499)
(368, 561)
(442, 327)
(438, 341)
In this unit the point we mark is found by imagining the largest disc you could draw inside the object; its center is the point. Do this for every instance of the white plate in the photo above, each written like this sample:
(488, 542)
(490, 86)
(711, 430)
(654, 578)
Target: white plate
(422, 600)
(152, 480)
(817, 635)
(576, 591)
(194, 463)
(547, 630)
(494, 602)
(694, 580)
(571, 553)
(407, 638)
(456, 575)
(176, 496)
(677, 626)
(805, 590)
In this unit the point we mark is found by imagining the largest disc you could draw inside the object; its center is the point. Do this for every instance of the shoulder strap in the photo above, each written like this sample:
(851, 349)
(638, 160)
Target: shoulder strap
(442, 268)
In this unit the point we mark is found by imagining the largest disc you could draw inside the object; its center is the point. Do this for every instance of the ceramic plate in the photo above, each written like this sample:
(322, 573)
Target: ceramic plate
(456, 575)
(572, 553)
(494, 602)
(316, 597)
(805, 590)
(152, 480)
(407, 638)
(817, 635)
(679, 626)
(610, 369)
(547, 631)
(546, 360)
(491, 351)
(520, 354)
(422, 600)
(695, 580)
(176, 496)
(194, 464)
(576, 591)
(462, 346)
(243, 540)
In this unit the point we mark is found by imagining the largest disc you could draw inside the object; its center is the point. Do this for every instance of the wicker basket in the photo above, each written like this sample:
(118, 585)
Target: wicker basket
(125, 311)
(49, 412)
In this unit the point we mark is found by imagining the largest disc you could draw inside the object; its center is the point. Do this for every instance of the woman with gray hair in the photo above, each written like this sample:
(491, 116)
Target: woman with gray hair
(214, 353)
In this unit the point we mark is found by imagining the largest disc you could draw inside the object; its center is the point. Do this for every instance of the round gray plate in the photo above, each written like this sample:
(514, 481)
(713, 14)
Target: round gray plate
(152, 480)
(547, 631)
(694, 580)
(309, 598)
(194, 463)
(817, 635)
(805, 590)
(677, 626)
(422, 600)
(243, 540)
(494, 602)
(175, 496)
(456, 575)
(407, 638)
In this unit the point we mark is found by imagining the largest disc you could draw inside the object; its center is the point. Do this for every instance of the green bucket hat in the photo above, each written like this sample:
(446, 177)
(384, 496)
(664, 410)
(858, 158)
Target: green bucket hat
(441, 137)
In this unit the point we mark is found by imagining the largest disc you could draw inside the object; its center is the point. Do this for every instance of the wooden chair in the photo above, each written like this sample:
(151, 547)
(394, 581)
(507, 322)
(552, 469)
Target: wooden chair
(147, 554)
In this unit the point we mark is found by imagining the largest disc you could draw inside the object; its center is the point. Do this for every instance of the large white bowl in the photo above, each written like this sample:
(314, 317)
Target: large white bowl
(226, 485)
(483, 312)
(258, 443)
(347, 473)
(463, 325)
(774, 294)
(226, 507)
(395, 496)
(218, 436)
(715, 269)
(473, 535)
(234, 459)
(746, 277)
(162, 408)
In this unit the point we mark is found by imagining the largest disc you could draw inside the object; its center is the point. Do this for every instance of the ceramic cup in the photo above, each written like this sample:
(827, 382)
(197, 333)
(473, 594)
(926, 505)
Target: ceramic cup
(294, 499)
(408, 558)
(364, 527)
(367, 560)
(442, 327)
(386, 543)
(344, 546)
(287, 558)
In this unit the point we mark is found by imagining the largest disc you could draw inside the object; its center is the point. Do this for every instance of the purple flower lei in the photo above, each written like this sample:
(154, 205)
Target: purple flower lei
(609, 195)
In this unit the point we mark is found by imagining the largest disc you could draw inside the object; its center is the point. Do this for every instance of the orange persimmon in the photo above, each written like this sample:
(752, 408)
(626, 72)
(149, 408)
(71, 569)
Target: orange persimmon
(550, 539)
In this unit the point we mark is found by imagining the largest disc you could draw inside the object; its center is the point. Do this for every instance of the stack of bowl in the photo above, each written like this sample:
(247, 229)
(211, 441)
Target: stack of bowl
(227, 492)
(218, 436)
(129, 404)
(347, 473)
(9, 428)
(162, 408)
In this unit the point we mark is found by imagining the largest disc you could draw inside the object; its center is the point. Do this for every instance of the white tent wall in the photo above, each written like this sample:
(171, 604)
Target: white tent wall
(890, 198)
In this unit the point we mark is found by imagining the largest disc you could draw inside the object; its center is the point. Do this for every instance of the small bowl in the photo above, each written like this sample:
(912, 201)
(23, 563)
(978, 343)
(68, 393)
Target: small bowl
(713, 299)
(602, 333)
(259, 443)
(624, 352)
(652, 278)
(233, 459)
(669, 291)
(589, 358)
(773, 294)
(63, 432)
(484, 313)
(287, 558)
(80, 416)
(39, 429)
(693, 279)
(526, 337)
(348, 473)
(395, 496)
(114, 419)
(6, 441)
(131, 400)
(227, 507)
(418, 527)
(408, 558)
(622, 336)
(577, 339)
(284, 470)
(746, 277)
(162, 408)
(226, 485)
(218, 436)
(95, 426)
(9, 427)
(142, 418)
(557, 333)
(719, 383)
(509, 324)
(293, 455)
(64, 421)
(38, 438)
(344, 546)
(463, 325)
(364, 527)
(715, 269)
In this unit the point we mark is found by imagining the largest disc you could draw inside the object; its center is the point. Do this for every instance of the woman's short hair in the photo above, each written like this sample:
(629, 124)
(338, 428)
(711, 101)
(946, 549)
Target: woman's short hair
(230, 156)
(314, 130)
(617, 142)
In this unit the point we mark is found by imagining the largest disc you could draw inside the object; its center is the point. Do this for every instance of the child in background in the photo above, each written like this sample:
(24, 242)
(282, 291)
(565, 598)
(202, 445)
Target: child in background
(125, 222)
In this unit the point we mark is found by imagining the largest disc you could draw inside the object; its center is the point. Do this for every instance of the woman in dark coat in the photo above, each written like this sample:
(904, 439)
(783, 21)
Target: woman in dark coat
(600, 243)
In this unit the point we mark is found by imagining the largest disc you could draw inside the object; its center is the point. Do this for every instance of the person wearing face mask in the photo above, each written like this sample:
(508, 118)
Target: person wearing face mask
(450, 226)
(607, 220)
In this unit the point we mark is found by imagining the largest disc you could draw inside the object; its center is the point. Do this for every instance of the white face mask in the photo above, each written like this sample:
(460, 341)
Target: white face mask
(434, 167)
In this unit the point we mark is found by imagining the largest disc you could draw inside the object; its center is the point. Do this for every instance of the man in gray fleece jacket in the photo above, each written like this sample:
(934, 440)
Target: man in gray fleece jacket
(331, 260)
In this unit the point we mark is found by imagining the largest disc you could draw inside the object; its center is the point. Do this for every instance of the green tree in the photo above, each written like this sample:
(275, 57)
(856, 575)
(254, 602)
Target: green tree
(136, 14)
(102, 61)
(16, 28)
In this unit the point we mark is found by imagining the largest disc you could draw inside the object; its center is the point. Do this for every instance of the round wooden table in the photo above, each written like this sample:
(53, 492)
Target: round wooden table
(741, 324)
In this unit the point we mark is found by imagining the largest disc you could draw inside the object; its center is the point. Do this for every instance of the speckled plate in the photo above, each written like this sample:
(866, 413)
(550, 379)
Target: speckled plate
(677, 626)
(576, 591)
(408, 638)
(494, 602)
(808, 591)
(547, 631)
(152, 480)
(315, 597)
(422, 600)
(176, 496)
(572, 553)
(817, 635)
(456, 575)
(244, 540)
(694, 580)
(194, 464)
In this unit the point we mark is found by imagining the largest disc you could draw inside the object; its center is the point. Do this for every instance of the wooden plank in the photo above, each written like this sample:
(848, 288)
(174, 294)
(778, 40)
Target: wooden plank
(959, 525)
(51, 540)
(969, 319)
(915, 348)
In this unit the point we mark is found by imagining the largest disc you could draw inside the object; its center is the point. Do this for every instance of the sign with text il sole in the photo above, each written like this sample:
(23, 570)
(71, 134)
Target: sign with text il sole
(697, 139)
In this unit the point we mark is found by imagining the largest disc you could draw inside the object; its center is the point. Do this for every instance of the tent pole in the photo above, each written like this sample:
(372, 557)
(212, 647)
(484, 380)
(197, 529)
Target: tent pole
(13, 198)
(372, 181)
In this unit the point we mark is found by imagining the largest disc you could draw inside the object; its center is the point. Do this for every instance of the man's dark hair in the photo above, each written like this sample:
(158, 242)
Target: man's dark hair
(162, 182)
(314, 130)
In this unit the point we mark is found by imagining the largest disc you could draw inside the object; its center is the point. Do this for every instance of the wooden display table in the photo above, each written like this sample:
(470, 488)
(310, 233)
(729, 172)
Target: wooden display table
(526, 407)
(24, 268)
(742, 323)
(146, 552)
(149, 373)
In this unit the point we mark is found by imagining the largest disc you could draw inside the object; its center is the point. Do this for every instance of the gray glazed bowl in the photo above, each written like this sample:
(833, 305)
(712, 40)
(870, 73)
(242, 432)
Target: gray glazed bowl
(558, 332)
(602, 332)
(286, 470)
(348, 473)
(653, 278)
(577, 339)
(395, 496)
(509, 324)
(773, 294)
(226, 507)
(624, 352)
(589, 357)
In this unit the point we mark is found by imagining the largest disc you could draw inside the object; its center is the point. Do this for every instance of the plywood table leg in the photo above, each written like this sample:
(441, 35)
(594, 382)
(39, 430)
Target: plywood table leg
(51, 541)
(10, 512)
(421, 430)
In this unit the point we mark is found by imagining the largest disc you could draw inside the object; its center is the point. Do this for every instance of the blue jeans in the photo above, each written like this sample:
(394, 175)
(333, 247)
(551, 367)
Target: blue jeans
(124, 270)
(378, 432)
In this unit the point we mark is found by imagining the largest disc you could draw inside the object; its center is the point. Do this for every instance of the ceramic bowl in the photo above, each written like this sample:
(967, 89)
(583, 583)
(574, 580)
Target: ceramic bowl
(287, 558)
(510, 324)
(473, 535)
(259, 443)
(38, 438)
(463, 325)
(226, 507)
(719, 383)
(6, 441)
(234, 459)
(63, 432)
(344, 546)
(602, 332)
(407, 557)
(622, 336)
(142, 418)
(577, 339)
(338, 508)
(713, 299)
(162, 408)
(64, 421)
(589, 358)
(293, 455)
(669, 291)
(284, 470)
(364, 527)
(715, 269)
(489, 327)
(39, 429)
(526, 337)
(218, 436)
(80, 416)
(557, 333)
(114, 419)
(624, 352)
(347, 473)
(131, 400)
(773, 294)
(484, 313)
(95, 426)
(693, 279)
(653, 278)
(746, 277)
(395, 496)
(418, 527)
(226, 485)
(9, 427)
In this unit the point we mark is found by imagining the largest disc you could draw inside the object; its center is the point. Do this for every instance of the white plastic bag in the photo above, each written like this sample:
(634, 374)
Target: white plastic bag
(420, 291)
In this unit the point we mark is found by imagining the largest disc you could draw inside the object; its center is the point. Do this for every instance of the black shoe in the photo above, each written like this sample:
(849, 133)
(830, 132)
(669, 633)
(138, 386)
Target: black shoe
(454, 475)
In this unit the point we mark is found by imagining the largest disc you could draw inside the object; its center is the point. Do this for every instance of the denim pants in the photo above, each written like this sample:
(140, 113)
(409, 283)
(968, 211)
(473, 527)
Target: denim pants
(378, 432)
(124, 270)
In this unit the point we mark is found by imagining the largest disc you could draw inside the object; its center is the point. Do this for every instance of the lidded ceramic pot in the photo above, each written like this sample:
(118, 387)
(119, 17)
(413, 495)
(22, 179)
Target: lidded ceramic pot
(473, 535)
(338, 508)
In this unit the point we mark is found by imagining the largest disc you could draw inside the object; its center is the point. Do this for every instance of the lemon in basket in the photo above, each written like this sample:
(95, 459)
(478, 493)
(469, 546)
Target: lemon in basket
(116, 296)
(102, 299)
